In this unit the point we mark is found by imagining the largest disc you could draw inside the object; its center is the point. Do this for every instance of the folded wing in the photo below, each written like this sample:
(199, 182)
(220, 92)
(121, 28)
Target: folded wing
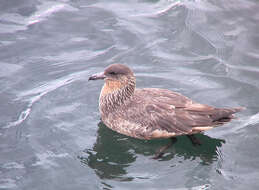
(163, 114)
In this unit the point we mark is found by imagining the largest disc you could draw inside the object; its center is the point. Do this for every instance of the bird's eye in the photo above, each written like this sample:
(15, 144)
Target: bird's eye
(112, 73)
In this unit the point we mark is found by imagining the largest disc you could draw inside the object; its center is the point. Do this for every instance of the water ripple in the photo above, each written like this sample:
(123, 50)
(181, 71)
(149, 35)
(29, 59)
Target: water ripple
(7, 183)
(11, 22)
(70, 57)
(46, 159)
(47, 9)
(147, 9)
(253, 120)
(34, 95)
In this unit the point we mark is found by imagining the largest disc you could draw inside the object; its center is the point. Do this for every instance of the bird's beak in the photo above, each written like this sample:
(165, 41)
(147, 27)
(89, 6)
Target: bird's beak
(97, 76)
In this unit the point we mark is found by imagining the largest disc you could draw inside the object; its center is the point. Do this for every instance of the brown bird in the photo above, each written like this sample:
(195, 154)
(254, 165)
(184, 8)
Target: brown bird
(151, 113)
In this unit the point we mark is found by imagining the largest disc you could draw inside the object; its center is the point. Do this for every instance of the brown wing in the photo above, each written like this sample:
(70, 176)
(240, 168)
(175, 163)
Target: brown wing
(163, 114)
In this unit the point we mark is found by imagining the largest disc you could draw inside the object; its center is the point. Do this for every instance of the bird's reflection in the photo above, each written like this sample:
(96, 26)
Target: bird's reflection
(113, 153)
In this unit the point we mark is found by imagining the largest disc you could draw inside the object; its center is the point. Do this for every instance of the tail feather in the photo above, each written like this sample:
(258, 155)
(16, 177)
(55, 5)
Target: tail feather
(220, 116)
(223, 115)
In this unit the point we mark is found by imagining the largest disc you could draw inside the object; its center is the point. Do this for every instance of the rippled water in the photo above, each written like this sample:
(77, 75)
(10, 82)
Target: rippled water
(50, 135)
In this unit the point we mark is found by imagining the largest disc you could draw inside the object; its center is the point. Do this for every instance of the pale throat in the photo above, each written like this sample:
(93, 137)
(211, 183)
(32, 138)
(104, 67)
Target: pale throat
(111, 86)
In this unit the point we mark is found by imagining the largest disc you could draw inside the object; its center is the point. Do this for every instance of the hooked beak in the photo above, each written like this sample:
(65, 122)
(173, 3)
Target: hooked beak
(97, 76)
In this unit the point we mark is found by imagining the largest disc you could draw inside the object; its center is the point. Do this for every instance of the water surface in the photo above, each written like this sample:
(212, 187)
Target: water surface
(50, 131)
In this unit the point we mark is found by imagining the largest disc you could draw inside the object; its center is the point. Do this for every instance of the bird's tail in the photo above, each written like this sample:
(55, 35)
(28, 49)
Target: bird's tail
(223, 115)
(219, 116)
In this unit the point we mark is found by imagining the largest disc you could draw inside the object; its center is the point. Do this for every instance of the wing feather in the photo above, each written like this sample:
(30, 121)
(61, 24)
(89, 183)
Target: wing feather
(163, 114)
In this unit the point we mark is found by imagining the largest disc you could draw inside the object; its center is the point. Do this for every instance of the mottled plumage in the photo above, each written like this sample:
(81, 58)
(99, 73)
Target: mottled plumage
(151, 113)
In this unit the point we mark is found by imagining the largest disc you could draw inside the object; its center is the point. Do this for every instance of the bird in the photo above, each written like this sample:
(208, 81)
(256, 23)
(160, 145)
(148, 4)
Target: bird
(153, 113)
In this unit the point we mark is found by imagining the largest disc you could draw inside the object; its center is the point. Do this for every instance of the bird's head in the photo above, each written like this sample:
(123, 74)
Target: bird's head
(116, 77)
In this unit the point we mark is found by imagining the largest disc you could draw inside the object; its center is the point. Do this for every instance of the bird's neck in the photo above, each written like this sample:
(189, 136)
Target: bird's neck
(115, 93)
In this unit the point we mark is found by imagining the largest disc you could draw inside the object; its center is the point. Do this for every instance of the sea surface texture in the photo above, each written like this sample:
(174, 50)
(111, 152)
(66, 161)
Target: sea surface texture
(51, 137)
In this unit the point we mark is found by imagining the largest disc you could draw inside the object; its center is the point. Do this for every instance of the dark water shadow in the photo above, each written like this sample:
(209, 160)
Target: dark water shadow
(113, 153)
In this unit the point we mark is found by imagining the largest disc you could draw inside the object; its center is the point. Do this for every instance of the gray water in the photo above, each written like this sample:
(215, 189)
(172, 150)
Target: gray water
(50, 131)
